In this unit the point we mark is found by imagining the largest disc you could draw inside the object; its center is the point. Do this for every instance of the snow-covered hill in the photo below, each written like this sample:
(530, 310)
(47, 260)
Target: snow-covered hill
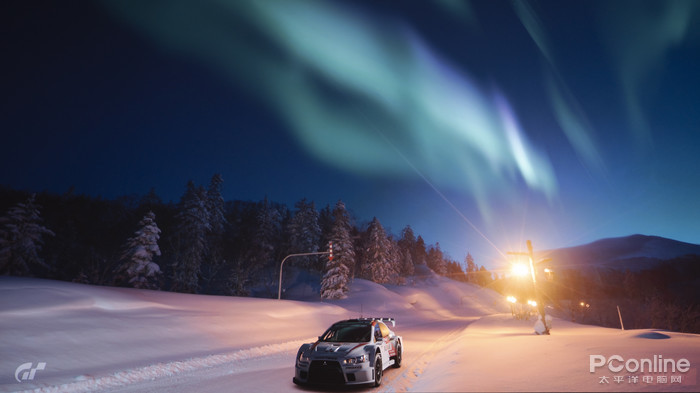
(631, 252)
(458, 337)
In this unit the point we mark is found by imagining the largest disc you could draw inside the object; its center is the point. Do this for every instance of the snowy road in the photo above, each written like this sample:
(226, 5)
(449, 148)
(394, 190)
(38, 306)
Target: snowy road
(456, 338)
(273, 372)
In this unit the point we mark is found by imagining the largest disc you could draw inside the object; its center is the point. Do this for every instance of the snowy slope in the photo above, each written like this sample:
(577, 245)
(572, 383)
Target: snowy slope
(498, 353)
(456, 339)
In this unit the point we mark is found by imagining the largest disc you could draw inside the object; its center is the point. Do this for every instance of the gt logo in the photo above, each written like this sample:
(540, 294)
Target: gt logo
(29, 372)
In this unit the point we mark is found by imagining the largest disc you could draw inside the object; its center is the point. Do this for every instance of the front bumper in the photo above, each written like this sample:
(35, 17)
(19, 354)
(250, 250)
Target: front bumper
(332, 372)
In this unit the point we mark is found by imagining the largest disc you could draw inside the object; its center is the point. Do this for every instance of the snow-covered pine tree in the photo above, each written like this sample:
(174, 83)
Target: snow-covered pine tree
(304, 234)
(407, 267)
(334, 284)
(193, 228)
(436, 260)
(325, 222)
(139, 250)
(215, 206)
(213, 260)
(21, 238)
(407, 244)
(471, 268)
(395, 261)
(376, 265)
(420, 255)
(484, 276)
(268, 224)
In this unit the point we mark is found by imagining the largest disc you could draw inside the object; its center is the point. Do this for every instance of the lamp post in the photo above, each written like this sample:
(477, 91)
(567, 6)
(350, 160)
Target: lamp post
(538, 295)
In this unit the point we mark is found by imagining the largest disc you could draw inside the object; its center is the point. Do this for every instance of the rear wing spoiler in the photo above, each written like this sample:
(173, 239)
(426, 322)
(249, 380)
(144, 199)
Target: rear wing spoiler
(392, 320)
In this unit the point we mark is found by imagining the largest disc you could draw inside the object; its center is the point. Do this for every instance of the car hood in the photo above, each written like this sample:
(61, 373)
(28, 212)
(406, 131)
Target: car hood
(335, 349)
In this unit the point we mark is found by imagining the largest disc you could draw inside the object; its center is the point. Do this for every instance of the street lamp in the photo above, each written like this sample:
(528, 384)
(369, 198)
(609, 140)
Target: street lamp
(520, 270)
(539, 303)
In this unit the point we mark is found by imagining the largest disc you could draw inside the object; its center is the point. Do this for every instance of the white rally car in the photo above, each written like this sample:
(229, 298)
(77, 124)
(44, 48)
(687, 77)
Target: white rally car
(351, 352)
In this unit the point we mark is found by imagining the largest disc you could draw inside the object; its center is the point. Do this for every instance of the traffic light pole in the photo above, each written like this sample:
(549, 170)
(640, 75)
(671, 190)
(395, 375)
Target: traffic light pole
(279, 289)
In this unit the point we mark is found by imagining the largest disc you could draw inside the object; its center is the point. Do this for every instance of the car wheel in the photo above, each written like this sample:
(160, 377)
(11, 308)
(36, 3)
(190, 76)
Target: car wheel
(397, 358)
(377, 370)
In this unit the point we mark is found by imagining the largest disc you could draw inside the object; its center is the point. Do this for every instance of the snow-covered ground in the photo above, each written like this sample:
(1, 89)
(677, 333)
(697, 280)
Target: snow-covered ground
(457, 337)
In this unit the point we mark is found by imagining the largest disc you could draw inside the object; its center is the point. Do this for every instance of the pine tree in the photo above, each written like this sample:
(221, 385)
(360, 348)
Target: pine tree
(139, 250)
(21, 238)
(337, 272)
(471, 269)
(325, 222)
(193, 228)
(334, 284)
(455, 272)
(376, 265)
(407, 244)
(420, 256)
(304, 233)
(215, 206)
(395, 261)
(151, 199)
(436, 260)
(484, 277)
(268, 224)
(407, 267)
(213, 260)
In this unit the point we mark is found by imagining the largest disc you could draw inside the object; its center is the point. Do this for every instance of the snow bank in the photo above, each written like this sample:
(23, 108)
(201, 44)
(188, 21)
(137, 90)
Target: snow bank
(499, 353)
(89, 383)
(83, 330)
(457, 339)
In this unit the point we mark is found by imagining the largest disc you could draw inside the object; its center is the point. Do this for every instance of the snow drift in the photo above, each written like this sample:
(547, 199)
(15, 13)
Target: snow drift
(458, 337)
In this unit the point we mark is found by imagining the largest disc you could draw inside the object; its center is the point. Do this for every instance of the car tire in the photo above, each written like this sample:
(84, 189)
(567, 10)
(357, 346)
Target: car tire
(399, 355)
(378, 369)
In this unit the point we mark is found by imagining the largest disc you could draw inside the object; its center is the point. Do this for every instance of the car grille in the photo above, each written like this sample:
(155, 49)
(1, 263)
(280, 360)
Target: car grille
(325, 372)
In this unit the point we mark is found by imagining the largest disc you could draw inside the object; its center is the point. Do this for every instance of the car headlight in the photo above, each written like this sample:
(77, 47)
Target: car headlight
(303, 357)
(355, 360)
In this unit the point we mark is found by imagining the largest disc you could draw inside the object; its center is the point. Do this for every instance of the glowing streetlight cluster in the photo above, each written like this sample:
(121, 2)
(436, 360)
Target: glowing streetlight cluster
(520, 269)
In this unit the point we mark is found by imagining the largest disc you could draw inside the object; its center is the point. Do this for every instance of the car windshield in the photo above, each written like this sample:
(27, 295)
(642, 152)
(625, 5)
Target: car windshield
(348, 332)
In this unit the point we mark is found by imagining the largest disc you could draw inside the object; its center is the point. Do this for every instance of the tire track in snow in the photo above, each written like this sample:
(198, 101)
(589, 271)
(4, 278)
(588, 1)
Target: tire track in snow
(412, 370)
(85, 383)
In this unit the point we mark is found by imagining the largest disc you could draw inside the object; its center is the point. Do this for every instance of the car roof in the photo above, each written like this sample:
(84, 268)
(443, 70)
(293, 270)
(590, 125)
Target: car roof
(367, 321)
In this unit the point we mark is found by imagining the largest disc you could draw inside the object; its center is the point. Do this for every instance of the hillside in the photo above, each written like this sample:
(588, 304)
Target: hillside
(634, 252)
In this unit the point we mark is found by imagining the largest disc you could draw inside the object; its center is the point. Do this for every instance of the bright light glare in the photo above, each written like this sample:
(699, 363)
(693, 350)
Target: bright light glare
(532, 303)
(520, 270)
(511, 299)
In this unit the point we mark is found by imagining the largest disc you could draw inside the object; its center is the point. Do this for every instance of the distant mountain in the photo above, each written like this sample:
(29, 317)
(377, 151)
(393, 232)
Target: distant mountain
(636, 252)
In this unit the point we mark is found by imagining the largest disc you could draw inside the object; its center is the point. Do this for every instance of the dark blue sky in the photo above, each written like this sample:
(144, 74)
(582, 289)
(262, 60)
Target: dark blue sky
(481, 124)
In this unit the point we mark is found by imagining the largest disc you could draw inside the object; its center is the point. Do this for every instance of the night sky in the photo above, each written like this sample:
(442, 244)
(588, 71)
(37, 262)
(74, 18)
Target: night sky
(481, 124)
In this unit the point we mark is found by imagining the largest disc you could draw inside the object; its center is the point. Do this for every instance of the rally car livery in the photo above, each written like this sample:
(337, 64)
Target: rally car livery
(350, 352)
